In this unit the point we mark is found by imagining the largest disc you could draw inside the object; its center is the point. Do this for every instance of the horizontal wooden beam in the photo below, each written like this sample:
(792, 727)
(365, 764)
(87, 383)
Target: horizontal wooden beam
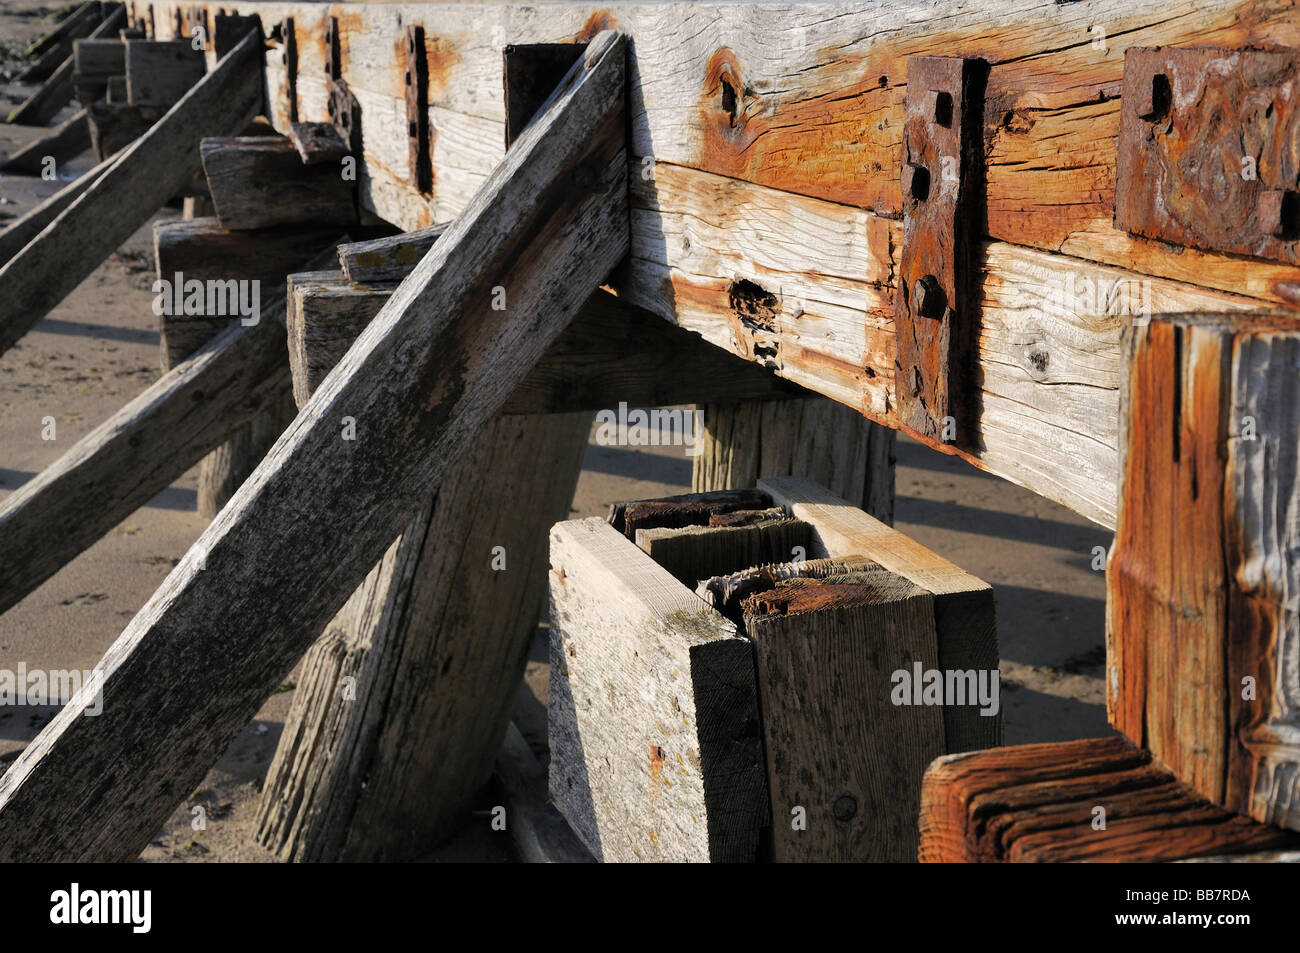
(277, 564)
(766, 203)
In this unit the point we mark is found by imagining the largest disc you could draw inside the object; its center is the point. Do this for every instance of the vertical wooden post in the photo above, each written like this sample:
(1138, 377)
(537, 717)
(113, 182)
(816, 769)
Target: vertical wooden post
(402, 704)
(812, 437)
(1202, 634)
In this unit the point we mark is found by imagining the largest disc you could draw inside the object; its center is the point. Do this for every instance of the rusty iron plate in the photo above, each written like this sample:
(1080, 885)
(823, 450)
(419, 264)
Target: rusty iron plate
(936, 320)
(1209, 149)
(416, 79)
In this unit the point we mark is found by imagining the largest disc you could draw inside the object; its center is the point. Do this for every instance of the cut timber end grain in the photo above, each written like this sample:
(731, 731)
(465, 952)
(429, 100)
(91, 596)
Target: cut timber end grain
(844, 763)
(387, 261)
(160, 72)
(688, 509)
(1041, 803)
(317, 142)
(692, 553)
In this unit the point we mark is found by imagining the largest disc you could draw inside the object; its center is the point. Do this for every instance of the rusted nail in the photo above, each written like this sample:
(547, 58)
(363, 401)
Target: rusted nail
(927, 297)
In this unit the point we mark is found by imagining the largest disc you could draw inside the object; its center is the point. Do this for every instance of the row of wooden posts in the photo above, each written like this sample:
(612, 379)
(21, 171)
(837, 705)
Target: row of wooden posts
(346, 535)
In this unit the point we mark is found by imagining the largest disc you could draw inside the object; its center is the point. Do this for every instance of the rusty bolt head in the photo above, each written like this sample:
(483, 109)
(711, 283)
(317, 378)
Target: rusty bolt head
(845, 807)
(927, 298)
(916, 181)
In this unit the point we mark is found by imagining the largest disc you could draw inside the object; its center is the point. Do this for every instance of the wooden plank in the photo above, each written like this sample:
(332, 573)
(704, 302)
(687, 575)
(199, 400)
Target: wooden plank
(199, 249)
(964, 616)
(297, 538)
(387, 261)
(68, 140)
(261, 182)
(1040, 803)
(78, 23)
(54, 93)
(610, 352)
(652, 710)
(812, 437)
(540, 834)
(1201, 644)
(161, 72)
(25, 228)
(433, 663)
(99, 58)
(317, 142)
(138, 452)
(695, 553)
(844, 761)
(126, 194)
(51, 96)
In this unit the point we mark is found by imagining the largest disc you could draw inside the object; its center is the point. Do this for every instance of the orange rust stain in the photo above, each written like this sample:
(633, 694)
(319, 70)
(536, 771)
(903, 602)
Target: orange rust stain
(656, 765)
(598, 22)
(442, 57)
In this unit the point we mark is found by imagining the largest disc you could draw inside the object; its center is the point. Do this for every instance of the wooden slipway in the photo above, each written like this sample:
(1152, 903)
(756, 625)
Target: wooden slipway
(766, 207)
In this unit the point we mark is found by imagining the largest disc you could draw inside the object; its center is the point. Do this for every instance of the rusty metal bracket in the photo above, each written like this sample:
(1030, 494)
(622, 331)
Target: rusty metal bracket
(936, 317)
(333, 56)
(532, 71)
(1209, 149)
(417, 110)
(289, 59)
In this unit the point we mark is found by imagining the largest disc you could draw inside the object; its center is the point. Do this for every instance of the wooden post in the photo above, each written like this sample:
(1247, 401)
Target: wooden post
(262, 181)
(200, 250)
(1098, 799)
(653, 717)
(303, 532)
(402, 704)
(127, 192)
(964, 615)
(813, 437)
(1203, 638)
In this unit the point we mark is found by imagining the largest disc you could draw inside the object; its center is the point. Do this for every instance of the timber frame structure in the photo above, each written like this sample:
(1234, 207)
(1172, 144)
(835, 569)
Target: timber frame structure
(935, 214)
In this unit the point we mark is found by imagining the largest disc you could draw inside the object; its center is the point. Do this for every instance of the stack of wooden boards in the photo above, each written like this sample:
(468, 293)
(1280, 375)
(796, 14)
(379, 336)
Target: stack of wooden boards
(727, 677)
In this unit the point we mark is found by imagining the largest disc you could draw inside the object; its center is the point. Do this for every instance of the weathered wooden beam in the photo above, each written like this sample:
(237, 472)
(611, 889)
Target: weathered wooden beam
(26, 227)
(161, 72)
(653, 711)
(772, 190)
(812, 437)
(199, 249)
(424, 639)
(540, 834)
(68, 140)
(317, 142)
(114, 126)
(138, 452)
(1203, 640)
(1098, 799)
(127, 193)
(844, 758)
(753, 538)
(261, 182)
(78, 23)
(964, 616)
(610, 353)
(54, 93)
(386, 261)
(99, 58)
(302, 533)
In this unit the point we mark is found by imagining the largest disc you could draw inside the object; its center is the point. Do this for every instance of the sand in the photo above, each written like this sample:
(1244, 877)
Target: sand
(99, 348)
